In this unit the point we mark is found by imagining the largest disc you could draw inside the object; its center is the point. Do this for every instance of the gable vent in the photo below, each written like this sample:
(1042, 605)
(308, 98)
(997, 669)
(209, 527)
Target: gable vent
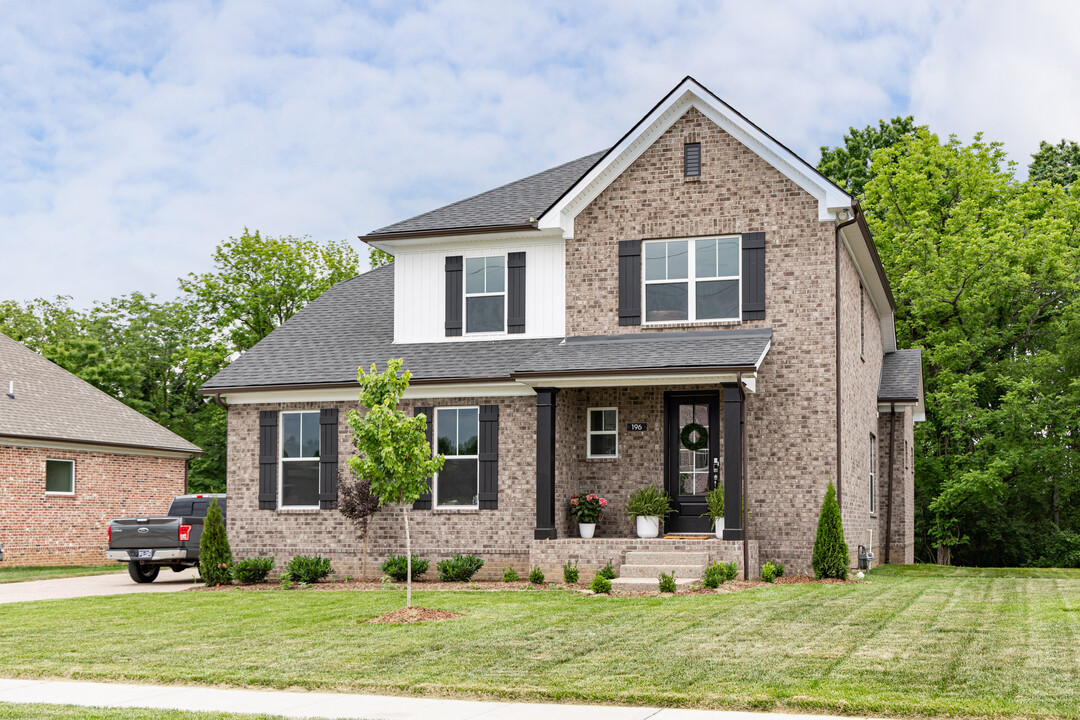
(692, 160)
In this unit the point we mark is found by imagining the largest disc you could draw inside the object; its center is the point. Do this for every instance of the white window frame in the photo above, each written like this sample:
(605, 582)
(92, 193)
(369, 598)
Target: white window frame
(466, 294)
(435, 480)
(691, 281)
(873, 474)
(589, 432)
(282, 459)
(60, 492)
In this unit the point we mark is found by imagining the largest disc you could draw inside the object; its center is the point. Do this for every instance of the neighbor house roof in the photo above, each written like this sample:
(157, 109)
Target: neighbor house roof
(51, 404)
(515, 204)
(901, 376)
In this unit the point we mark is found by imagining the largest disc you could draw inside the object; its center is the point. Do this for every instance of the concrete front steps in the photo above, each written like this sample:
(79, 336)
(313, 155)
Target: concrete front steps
(642, 568)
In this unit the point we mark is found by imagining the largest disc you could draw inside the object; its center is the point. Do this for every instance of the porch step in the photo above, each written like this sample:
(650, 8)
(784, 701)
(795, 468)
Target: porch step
(667, 558)
(652, 572)
(648, 583)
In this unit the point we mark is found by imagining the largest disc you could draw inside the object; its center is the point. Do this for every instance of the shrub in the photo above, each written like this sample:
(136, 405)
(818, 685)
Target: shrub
(396, 567)
(714, 576)
(730, 571)
(570, 572)
(667, 582)
(649, 501)
(768, 572)
(510, 575)
(307, 569)
(779, 568)
(252, 570)
(608, 571)
(600, 585)
(459, 568)
(536, 576)
(830, 550)
(215, 555)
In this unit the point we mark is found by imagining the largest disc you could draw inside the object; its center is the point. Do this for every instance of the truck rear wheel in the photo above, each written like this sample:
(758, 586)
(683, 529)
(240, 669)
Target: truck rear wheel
(143, 573)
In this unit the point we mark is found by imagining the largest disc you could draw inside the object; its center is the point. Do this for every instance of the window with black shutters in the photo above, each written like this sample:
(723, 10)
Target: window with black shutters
(457, 438)
(299, 461)
(485, 294)
(692, 280)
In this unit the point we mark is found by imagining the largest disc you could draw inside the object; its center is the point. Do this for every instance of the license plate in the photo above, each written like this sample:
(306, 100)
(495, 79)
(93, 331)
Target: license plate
(146, 553)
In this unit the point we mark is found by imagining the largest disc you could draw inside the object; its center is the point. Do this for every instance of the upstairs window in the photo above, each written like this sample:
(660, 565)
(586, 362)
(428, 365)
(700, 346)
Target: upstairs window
(692, 280)
(300, 446)
(458, 432)
(692, 160)
(485, 294)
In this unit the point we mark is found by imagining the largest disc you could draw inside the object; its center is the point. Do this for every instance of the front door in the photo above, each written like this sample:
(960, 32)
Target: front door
(691, 457)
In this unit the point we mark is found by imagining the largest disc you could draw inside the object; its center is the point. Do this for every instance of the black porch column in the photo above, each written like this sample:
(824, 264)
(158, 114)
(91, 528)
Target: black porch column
(545, 464)
(733, 526)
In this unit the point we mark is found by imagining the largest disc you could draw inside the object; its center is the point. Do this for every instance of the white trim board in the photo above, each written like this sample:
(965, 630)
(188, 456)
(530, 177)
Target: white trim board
(85, 447)
(352, 394)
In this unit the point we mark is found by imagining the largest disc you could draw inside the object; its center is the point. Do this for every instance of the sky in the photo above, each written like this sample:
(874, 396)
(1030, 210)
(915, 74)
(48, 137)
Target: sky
(135, 137)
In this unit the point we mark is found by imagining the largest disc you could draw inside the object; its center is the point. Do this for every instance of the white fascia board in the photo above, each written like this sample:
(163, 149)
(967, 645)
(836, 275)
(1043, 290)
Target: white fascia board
(352, 394)
(688, 95)
(864, 265)
(638, 380)
(86, 447)
(438, 243)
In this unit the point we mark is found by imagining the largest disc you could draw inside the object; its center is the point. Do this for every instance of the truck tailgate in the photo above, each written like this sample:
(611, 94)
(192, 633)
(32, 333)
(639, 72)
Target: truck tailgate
(133, 533)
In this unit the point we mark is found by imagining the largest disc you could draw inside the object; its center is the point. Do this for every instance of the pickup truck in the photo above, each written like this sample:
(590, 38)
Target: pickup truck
(148, 543)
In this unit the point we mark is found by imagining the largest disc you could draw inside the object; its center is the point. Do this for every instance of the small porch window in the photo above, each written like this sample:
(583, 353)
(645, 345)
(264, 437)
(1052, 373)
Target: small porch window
(603, 440)
(485, 294)
(457, 431)
(299, 472)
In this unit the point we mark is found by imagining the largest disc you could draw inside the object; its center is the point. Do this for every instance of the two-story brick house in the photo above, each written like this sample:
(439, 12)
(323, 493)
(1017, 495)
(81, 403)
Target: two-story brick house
(696, 306)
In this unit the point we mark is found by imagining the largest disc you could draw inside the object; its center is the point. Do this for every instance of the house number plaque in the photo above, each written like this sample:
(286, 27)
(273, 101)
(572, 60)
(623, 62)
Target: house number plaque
(635, 427)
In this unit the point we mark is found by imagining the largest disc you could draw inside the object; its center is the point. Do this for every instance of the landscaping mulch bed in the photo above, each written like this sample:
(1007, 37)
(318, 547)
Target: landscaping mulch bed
(414, 615)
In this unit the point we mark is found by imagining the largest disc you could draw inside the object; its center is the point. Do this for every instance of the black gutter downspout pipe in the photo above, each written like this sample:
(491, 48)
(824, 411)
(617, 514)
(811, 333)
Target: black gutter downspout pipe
(742, 478)
(219, 402)
(888, 508)
(839, 408)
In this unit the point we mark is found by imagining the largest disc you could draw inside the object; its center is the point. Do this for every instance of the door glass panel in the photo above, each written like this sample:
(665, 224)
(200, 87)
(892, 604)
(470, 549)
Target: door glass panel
(693, 449)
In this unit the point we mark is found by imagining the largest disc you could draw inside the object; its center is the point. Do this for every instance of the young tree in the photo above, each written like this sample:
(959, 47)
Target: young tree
(831, 558)
(393, 453)
(215, 555)
(357, 503)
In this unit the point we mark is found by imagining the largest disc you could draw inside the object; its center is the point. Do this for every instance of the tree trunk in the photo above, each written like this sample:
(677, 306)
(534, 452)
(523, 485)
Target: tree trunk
(408, 560)
(944, 555)
(363, 565)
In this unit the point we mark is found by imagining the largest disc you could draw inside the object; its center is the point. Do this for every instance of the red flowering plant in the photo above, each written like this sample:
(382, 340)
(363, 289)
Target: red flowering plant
(587, 507)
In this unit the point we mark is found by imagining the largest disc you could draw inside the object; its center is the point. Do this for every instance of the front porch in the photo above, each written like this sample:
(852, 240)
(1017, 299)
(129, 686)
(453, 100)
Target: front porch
(592, 554)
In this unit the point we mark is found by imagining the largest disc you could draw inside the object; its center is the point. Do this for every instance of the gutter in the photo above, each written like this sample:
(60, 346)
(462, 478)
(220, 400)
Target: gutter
(860, 217)
(839, 402)
(443, 232)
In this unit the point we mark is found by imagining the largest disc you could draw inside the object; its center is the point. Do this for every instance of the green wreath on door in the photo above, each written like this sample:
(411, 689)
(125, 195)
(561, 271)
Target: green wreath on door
(694, 437)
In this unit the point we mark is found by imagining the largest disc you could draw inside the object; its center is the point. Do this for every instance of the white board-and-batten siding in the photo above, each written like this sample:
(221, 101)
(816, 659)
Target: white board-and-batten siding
(420, 290)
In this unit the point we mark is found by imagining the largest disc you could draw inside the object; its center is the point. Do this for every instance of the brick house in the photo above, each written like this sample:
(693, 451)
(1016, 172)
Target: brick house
(71, 459)
(695, 306)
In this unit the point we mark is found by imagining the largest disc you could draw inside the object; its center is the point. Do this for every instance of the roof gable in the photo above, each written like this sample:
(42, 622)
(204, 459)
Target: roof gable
(691, 94)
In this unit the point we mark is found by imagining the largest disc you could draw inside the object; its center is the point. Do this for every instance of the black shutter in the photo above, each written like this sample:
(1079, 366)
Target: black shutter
(268, 459)
(629, 282)
(328, 458)
(489, 457)
(515, 292)
(753, 276)
(692, 160)
(454, 295)
(424, 501)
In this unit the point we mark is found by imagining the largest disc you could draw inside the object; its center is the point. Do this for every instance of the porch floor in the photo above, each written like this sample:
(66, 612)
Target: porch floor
(592, 554)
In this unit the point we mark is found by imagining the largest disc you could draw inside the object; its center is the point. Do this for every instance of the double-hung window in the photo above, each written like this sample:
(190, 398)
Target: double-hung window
(873, 474)
(603, 433)
(458, 432)
(60, 477)
(299, 471)
(693, 280)
(485, 294)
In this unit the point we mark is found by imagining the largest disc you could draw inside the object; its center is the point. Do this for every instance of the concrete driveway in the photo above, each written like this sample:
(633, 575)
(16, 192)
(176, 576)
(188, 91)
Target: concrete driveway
(89, 585)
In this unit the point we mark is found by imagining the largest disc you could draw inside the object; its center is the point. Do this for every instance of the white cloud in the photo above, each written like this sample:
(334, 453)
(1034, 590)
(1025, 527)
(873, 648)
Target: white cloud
(132, 142)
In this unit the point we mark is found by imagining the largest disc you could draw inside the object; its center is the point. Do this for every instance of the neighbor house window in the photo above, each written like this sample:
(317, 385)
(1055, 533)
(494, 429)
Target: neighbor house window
(689, 280)
(457, 432)
(873, 474)
(603, 433)
(299, 459)
(485, 294)
(60, 477)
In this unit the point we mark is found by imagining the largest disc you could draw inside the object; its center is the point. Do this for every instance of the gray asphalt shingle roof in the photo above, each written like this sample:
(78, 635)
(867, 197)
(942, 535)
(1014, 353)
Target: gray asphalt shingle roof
(512, 204)
(51, 403)
(901, 375)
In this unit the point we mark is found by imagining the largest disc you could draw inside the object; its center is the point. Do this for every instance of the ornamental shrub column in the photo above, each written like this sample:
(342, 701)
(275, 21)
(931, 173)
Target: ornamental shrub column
(831, 559)
(215, 555)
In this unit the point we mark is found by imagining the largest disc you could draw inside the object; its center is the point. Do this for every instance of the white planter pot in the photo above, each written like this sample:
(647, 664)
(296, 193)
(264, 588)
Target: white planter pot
(648, 526)
(719, 528)
(586, 530)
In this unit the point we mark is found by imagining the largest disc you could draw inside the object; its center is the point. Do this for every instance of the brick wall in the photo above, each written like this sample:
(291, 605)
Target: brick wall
(40, 529)
(902, 544)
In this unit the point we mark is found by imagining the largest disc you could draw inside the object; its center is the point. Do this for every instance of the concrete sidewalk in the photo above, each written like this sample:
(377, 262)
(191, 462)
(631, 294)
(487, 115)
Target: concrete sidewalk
(90, 585)
(333, 705)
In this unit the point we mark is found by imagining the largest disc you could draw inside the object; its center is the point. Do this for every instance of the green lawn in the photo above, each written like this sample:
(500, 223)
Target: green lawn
(23, 574)
(13, 711)
(925, 641)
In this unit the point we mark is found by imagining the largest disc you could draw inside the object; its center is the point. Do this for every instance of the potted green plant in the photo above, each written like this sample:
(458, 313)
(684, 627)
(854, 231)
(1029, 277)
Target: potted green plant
(588, 509)
(714, 502)
(647, 505)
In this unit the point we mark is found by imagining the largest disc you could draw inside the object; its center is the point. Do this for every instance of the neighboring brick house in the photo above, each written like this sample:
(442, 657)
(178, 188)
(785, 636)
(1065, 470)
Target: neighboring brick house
(71, 459)
(564, 330)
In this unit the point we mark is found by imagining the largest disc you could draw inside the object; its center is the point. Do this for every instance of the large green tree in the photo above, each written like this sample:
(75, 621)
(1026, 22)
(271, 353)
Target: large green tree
(1057, 164)
(848, 165)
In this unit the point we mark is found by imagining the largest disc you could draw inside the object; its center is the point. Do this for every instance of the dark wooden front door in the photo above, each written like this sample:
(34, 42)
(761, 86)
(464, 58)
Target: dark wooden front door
(691, 457)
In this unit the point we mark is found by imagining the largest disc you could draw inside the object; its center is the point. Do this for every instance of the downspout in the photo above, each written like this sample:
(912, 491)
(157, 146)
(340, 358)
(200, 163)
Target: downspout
(742, 478)
(839, 407)
(219, 402)
(888, 499)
